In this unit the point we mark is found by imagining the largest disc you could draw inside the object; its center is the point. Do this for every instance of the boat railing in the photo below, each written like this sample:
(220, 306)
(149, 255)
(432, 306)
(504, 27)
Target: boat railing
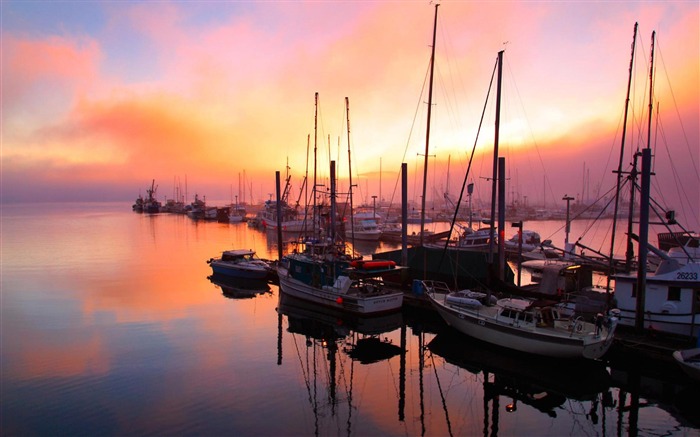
(436, 287)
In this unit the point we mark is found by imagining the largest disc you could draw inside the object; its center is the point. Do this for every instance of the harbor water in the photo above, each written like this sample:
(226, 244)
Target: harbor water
(113, 325)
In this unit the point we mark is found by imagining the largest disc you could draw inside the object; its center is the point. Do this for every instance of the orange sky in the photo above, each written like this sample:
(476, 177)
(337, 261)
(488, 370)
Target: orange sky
(99, 98)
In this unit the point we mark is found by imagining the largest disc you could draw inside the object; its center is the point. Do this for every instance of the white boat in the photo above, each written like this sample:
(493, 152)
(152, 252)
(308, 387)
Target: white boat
(475, 239)
(689, 360)
(530, 241)
(672, 298)
(524, 325)
(668, 297)
(320, 274)
(241, 263)
(365, 230)
(237, 214)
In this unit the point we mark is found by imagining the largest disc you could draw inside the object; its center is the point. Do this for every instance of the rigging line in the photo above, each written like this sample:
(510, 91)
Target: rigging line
(471, 158)
(679, 186)
(303, 370)
(442, 397)
(410, 134)
(532, 136)
(680, 189)
(675, 104)
(600, 214)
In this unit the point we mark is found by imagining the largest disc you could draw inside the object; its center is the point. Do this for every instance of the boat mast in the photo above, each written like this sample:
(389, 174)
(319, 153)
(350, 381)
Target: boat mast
(427, 131)
(494, 180)
(352, 219)
(619, 165)
(313, 190)
(644, 205)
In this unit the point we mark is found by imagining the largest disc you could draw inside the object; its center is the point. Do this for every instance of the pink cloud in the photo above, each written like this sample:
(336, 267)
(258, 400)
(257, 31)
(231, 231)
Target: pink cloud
(46, 65)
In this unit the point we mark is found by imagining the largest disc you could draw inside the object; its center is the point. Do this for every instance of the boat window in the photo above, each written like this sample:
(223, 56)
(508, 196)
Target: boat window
(674, 293)
(510, 314)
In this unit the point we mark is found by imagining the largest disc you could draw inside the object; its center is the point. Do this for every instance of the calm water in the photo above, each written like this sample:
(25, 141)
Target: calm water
(111, 326)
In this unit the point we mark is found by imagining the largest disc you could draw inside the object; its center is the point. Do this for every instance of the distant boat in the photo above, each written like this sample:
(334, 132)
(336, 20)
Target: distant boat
(243, 264)
(525, 325)
(531, 240)
(414, 218)
(150, 204)
(237, 213)
(364, 230)
(138, 204)
(472, 239)
(196, 210)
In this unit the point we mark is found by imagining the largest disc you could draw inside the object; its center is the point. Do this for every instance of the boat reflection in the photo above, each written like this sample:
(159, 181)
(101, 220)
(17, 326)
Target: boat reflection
(545, 384)
(239, 288)
(335, 341)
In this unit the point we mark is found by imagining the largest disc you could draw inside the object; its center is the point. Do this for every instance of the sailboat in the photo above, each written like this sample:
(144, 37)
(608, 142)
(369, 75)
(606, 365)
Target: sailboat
(523, 324)
(466, 268)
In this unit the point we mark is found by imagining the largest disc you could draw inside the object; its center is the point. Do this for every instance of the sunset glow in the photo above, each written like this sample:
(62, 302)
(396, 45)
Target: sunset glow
(110, 95)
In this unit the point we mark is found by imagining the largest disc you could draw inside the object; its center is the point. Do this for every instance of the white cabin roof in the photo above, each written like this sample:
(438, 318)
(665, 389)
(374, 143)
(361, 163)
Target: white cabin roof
(239, 252)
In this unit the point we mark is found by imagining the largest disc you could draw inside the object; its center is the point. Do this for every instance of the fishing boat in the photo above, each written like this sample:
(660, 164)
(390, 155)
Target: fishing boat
(525, 325)
(138, 204)
(322, 273)
(151, 205)
(240, 263)
(689, 360)
(666, 300)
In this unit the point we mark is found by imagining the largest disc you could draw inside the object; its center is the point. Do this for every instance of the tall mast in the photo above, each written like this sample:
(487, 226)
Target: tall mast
(313, 190)
(380, 182)
(651, 89)
(620, 162)
(427, 131)
(644, 206)
(494, 186)
(352, 219)
(306, 188)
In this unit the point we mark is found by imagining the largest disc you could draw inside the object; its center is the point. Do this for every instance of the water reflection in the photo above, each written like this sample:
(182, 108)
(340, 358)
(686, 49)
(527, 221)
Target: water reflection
(590, 395)
(139, 341)
(329, 338)
(547, 385)
(239, 288)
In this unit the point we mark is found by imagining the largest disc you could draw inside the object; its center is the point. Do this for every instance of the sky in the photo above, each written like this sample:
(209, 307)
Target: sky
(213, 97)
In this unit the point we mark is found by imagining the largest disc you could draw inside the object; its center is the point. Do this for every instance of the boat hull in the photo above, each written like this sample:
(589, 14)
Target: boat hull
(234, 271)
(385, 303)
(523, 340)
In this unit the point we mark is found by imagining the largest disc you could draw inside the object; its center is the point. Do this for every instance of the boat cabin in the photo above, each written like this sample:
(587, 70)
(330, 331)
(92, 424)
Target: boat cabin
(672, 299)
(238, 255)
